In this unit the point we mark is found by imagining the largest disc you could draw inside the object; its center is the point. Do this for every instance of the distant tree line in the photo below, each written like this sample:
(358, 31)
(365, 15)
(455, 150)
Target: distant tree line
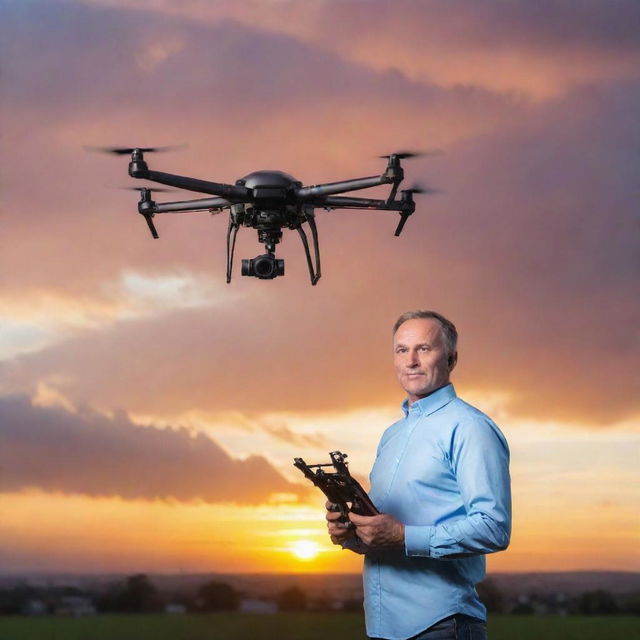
(14, 600)
(138, 594)
(597, 602)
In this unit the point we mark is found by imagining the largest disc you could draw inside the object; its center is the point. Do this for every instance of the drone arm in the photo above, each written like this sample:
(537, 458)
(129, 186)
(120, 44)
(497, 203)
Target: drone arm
(191, 205)
(406, 206)
(234, 192)
(338, 202)
(340, 187)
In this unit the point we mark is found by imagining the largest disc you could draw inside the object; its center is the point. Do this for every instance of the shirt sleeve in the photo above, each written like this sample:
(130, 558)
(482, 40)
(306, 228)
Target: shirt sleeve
(479, 458)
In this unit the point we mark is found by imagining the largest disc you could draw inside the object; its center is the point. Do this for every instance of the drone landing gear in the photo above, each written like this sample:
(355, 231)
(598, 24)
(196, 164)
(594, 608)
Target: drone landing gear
(409, 206)
(232, 232)
(314, 274)
(267, 266)
(146, 210)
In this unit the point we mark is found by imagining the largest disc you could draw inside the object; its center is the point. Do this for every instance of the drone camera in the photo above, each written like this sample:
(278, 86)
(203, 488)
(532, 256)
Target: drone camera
(265, 267)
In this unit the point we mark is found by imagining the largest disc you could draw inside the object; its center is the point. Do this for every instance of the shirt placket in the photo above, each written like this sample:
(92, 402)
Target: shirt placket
(382, 573)
(403, 442)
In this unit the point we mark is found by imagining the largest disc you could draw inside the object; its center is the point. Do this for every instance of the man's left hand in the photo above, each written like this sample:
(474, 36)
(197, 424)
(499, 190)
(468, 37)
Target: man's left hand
(381, 530)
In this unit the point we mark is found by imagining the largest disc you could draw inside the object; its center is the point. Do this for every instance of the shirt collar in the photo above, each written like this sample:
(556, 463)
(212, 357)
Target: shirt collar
(434, 401)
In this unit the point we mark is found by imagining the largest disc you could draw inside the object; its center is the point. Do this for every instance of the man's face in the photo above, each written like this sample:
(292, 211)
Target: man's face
(420, 357)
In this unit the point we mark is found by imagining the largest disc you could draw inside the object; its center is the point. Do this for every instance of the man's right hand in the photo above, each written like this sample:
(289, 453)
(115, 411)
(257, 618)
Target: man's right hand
(339, 532)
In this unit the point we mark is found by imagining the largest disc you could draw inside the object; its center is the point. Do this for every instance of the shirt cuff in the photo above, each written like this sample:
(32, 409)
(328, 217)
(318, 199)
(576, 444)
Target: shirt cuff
(417, 540)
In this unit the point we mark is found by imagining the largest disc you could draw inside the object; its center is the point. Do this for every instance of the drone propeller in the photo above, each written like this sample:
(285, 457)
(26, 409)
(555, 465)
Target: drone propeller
(418, 188)
(140, 189)
(394, 172)
(401, 155)
(122, 151)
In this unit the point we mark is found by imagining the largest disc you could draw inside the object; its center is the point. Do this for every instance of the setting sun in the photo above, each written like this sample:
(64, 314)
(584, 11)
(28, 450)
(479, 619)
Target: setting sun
(305, 549)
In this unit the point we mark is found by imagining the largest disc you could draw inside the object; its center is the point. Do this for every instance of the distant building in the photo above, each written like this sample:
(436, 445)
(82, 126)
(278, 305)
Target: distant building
(257, 606)
(75, 606)
(35, 607)
(175, 607)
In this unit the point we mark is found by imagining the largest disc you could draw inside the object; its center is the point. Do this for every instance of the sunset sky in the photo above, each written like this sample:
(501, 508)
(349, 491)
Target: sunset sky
(150, 412)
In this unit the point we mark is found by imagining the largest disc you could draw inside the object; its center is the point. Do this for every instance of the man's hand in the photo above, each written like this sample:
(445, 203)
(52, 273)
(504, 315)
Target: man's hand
(339, 532)
(382, 530)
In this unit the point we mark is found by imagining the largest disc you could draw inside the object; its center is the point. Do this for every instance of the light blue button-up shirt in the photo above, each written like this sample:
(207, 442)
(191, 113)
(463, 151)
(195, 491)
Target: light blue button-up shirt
(443, 471)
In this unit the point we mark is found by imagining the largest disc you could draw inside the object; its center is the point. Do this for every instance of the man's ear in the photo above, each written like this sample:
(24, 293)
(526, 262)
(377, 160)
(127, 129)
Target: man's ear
(452, 361)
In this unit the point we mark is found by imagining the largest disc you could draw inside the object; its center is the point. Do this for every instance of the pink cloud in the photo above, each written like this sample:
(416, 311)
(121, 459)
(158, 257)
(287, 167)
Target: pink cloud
(530, 247)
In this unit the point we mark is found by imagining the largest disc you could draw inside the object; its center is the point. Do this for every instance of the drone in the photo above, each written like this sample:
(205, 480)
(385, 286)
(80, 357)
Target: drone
(269, 201)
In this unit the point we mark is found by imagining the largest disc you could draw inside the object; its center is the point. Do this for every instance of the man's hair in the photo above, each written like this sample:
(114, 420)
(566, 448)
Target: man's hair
(448, 329)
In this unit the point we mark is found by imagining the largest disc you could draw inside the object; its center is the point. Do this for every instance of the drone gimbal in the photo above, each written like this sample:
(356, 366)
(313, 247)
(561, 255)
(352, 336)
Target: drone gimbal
(269, 201)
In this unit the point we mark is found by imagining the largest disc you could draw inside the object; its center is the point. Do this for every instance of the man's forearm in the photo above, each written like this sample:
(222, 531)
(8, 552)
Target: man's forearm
(476, 534)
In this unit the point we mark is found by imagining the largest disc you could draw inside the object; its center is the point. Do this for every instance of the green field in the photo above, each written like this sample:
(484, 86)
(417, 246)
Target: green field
(289, 626)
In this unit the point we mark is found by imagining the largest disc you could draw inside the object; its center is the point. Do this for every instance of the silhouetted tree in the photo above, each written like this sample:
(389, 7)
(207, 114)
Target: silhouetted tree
(599, 602)
(14, 600)
(353, 605)
(523, 608)
(217, 596)
(322, 603)
(292, 599)
(631, 604)
(136, 595)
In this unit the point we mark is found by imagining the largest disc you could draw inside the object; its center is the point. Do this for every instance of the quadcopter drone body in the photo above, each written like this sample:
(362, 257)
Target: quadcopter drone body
(270, 201)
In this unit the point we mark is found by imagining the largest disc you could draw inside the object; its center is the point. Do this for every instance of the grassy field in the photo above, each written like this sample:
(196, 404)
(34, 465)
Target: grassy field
(285, 626)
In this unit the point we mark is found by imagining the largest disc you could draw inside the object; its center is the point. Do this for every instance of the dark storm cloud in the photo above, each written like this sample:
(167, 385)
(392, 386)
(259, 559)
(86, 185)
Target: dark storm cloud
(86, 453)
(100, 58)
(512, 23)
(540, 48)
(493, 23)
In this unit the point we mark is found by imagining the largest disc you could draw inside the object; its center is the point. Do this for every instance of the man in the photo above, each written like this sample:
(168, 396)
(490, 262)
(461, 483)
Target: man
(441, 483)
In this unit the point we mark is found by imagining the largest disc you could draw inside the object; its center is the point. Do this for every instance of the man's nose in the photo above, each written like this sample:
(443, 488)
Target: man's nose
(412, 359)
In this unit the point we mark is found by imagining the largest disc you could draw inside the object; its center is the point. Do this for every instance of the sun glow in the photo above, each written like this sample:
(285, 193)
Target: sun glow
(305, 549)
